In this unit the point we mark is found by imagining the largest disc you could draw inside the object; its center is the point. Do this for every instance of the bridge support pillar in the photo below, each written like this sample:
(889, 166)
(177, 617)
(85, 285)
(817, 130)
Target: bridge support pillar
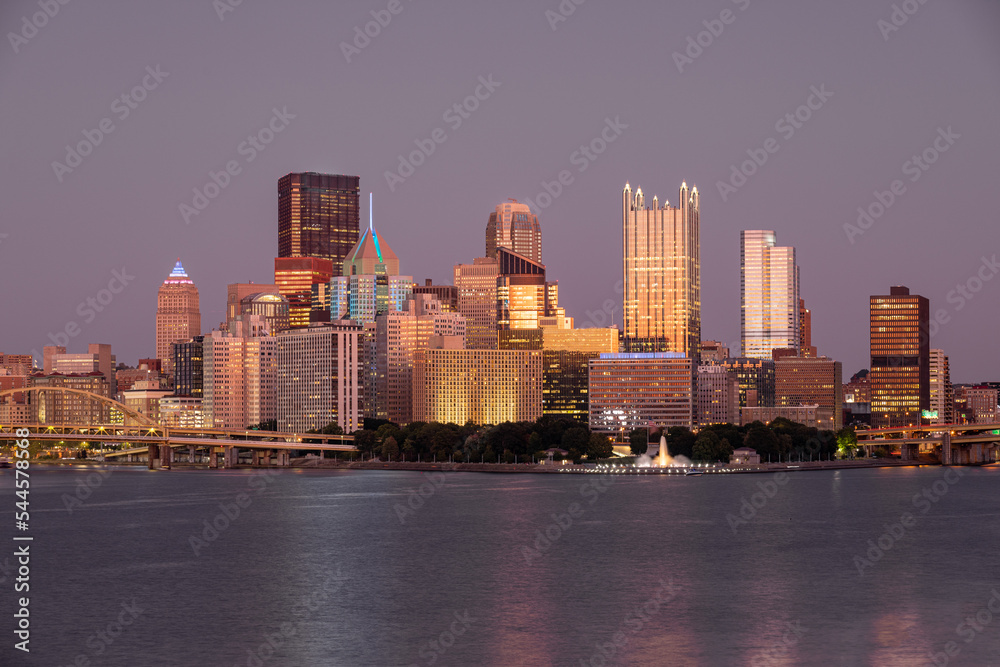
(255, 457)
(946, 453)
(166, 456)
(154, 457)
(284, 457)
(231, 456)
(192, 454)
(213, 457)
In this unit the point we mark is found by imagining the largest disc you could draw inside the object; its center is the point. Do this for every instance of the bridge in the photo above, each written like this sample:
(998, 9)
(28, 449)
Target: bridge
(160, 446)
(961, 444)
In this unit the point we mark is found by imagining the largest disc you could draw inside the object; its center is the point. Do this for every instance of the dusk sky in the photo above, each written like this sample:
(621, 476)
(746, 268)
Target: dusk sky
(890, 94)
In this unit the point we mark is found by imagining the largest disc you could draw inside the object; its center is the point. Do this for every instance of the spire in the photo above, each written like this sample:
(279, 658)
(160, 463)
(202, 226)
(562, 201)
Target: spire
(370, 214)
(178, 275)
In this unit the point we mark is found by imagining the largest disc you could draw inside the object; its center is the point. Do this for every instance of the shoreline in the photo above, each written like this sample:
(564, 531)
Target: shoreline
(525, 468)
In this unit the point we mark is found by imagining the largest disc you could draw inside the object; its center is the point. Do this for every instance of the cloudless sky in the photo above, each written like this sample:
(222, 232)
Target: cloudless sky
(60, 242)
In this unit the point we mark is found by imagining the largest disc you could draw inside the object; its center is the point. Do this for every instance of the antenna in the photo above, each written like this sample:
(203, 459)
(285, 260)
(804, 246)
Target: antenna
(369, 210)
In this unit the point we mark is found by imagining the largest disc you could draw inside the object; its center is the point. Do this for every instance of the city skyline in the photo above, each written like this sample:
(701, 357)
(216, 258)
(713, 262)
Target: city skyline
(231, 238)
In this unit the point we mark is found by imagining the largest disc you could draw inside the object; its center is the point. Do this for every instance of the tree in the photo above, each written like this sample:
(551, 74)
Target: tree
(847, 442)
(365, 441)
(680, 441)
(637, 441)
(576, 439)
(599, 447)
(333, 428)
(763, 440)
(266, 425)
(390, 448)
(710, 447)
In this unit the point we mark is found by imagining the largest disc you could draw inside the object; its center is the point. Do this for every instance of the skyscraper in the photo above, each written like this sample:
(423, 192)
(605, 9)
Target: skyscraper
(942, 393)
(178, 317)
(769, 289)
(515, 227)
(630, 390)
(295, 277)
(319, 215)
(811, 381)
(477, 301)
(662, 274)
(900, 358)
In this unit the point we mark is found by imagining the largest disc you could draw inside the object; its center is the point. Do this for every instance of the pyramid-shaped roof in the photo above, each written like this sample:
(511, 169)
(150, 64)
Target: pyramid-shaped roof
(369, 252)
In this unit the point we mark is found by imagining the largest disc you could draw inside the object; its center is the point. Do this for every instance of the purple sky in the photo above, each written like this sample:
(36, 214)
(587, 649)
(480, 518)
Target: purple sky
(61, 241)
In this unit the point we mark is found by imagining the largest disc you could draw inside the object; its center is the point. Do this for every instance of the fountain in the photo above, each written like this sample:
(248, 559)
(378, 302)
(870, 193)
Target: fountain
(664, 460)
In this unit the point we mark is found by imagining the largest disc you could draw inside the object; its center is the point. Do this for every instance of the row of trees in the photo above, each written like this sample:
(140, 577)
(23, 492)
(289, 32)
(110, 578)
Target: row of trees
(508, 442)
(781, 439)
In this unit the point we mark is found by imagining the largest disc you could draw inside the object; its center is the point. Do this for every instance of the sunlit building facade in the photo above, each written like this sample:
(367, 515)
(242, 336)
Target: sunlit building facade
(240, 377)
(236, 292)
(319, 215)
(178, 314)
(769, 289)
(479, 386)
(513, 226)
(942, 410)
(295, 277)
(399, 334)
(634, 390)
(718, 396)
(477, 301)
(662, 273)
(54, 407)
(319, 377)
(900, 358)
(566, 356)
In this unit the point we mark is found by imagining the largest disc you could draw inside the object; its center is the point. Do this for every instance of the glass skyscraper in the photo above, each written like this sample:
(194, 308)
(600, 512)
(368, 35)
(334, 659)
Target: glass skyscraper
(662, 273)
(900, 358)
(769, 290)
(319, 215)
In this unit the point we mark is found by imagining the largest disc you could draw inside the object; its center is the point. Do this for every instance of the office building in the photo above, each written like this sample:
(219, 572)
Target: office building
(662, 274)
(812, 416)
(480, 386)
(446, 294)
(633, 390)
(319, 215)
(178, 316)
(513, 226)
(806, 348)
(769, 288)
(477, 301)
(713, 352)
(182, 412)
(756, 381)
(981, 404)
(97, 359)
(566, 356)
(236, 292)
(295, 277)
(718, 396)
(189, 369)
(811, 381)
(319, 377)
(942, 410)
(144, 398)
(399, 334)
(369, 282)
(53, 407)
(900, 358)
(239, 374)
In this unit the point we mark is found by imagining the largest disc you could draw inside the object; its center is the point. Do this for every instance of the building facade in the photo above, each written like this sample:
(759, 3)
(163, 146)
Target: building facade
(54, 407)
(446, 294)
(240, 375)
(769, 289)
(566, 356)
(319, 215)
(633, 390)
(296, 278)
(480, 386)
(811, 381)
(513, 226)
(718, 396)
(319, 377)
(812, 416)
(662, 274)
(477, 301)
(900, 358)
(98, 359)
(942, 410)
(756, 380)
(178, 314)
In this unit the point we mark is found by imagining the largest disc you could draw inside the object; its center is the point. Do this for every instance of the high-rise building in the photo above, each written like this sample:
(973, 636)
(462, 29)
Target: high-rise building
(521, 291)
(17, 364)
(49, 353)
(769, 288)
(942, 410)
(178, 316)
(98, 359)
(566, 355)
(513, 226)
(144, 398)
(756, 380)
(399, 334)
(446, 294)
(295, 277)
(482, 386)
(806, 348)
(319, 215)
(811, 381)
(269, 306)
(900, 358)
(713, 352)
(236, 292)
(632, 390)
(718, 396)
(189, 368)
(319, 378)
(477, 301)
(239, 374)
(369, 282)
(662, 274)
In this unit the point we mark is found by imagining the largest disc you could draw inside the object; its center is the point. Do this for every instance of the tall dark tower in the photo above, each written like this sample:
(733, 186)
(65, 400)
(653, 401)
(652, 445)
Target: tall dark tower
(319, 215)
(900, 356)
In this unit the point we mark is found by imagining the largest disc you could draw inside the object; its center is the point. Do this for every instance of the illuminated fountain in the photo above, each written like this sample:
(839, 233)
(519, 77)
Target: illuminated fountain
(664, 460)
